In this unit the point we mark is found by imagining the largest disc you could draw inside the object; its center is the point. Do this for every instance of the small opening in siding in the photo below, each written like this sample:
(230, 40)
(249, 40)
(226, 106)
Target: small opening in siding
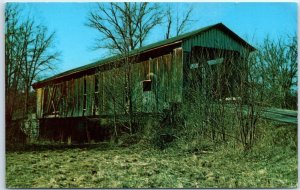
(147, 85)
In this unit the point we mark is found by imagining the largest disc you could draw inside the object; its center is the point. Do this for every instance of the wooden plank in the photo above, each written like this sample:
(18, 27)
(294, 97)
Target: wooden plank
(101, 93)
(178, 71)
(90, 94)
(39, 102)
(138, 78)
(164, 82)
(72, 107)
(76, 94)
(80, 96)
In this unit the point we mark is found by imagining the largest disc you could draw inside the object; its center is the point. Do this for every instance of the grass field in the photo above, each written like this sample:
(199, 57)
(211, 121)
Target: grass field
(106, 166)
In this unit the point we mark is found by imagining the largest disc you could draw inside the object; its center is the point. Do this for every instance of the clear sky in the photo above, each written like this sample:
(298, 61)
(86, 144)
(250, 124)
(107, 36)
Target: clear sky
(251, 21)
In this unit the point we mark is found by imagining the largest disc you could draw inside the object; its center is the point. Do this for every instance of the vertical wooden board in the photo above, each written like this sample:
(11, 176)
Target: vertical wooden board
(179, 74)
(154, 70)
(170, 76)
(93, 95)
(101, 92)
(110, 90)
(80, 95)
(133, 87)
(164, 78)
(67, 98)
(121, 90)
(64, 100)
(173, 77)
(59, 99)
(50, 93)
(114, 98)
(39, 102)
(90, 94)
(46, 100)
(160, 88)
(140, 80)
(71, 98)
(160, 74)
(105, 92)
(136, 89)
(72, 106)
(174, 80)
(115, 81)
(76, 97)
(140, 86)
(88, 99)
(167, 67)
(146, 69)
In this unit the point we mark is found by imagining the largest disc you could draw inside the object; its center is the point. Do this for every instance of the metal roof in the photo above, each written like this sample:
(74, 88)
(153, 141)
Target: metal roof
(166, 42)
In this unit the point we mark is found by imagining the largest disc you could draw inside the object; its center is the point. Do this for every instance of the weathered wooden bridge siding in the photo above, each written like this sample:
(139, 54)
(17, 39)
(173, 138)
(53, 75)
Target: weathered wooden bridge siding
(100, 88)
(77, 97)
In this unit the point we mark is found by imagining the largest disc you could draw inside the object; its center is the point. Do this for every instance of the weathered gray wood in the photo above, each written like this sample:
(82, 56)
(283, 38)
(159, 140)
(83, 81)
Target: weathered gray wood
(165, 72)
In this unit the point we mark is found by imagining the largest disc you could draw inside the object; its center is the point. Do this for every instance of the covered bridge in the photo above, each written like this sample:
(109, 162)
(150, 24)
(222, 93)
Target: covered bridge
(148, 80)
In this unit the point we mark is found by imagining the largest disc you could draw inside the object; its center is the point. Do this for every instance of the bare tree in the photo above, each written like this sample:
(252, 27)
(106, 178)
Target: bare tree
(277, 61)
(29, 52)
(181, 22)
(124, 26)
(13, 53)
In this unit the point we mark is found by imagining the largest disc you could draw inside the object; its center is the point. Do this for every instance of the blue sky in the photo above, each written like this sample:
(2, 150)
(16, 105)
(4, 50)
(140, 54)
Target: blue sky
(251, 21)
